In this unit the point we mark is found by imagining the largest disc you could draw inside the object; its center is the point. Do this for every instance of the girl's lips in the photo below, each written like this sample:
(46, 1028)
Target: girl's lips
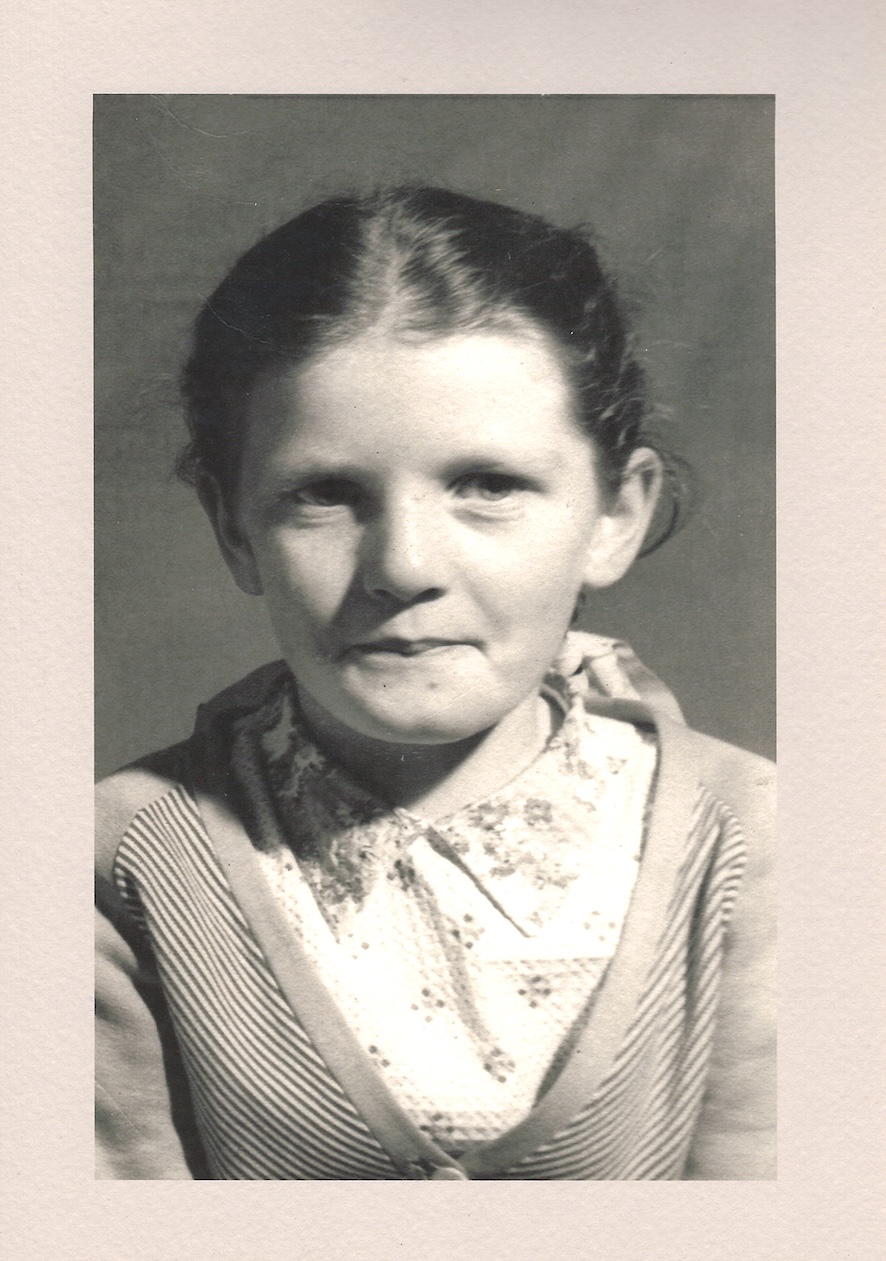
(403, 647)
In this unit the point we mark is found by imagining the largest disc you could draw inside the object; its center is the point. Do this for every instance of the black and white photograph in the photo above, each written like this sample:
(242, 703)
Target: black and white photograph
(435, 618)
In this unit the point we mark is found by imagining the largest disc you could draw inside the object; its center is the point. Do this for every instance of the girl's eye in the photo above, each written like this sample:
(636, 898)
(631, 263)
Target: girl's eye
(490, 487)
(327, 492)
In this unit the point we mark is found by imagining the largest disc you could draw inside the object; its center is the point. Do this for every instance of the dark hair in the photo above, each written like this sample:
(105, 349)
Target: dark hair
(422, 262)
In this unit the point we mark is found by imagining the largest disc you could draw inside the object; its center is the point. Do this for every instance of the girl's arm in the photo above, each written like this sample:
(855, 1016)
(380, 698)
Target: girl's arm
(144, 1118)
(735, 1139)
(135, 1133)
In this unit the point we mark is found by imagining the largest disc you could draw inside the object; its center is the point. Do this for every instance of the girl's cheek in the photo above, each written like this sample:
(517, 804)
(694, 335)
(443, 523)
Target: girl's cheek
(313, 571)
(542, 558)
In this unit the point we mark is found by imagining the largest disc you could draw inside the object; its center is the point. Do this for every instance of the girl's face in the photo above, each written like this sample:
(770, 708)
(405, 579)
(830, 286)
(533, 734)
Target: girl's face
(420, 518)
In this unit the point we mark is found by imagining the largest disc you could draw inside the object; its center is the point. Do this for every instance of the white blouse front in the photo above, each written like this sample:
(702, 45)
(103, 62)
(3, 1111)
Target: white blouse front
(465, 953)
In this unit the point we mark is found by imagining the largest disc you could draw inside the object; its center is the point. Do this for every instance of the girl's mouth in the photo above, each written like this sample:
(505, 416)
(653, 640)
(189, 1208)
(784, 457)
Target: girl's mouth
(394, 647)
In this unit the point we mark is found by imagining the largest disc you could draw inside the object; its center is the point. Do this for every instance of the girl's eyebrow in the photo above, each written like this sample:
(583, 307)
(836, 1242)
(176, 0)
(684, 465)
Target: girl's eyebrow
(531, 463)
(504, 462)
(295, 476)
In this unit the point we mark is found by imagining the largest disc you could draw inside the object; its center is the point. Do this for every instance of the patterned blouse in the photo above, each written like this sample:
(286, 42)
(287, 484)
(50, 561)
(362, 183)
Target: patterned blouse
(463, 953)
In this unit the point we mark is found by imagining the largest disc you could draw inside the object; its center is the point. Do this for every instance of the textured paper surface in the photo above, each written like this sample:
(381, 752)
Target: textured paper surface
(824, 63)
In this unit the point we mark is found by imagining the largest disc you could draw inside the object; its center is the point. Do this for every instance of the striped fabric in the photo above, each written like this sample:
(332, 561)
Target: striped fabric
(268, 1107)
(639, 1124)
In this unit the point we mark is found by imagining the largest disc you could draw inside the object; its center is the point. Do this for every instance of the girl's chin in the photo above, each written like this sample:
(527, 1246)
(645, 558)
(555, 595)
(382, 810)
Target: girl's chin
(407, 711)
(418, 729)
(403, 719)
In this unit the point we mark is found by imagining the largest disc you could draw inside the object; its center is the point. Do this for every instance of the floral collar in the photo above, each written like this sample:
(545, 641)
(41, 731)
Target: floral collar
(526, 846)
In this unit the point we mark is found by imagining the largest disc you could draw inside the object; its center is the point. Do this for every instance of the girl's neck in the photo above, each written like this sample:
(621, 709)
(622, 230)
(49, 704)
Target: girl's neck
(435, 780)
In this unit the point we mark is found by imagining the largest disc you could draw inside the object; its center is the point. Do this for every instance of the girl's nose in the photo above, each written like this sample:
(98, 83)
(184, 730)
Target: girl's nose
(403, 553)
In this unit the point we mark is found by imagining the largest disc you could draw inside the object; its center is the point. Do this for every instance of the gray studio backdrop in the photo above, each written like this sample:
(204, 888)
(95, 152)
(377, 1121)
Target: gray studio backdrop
(680, 192)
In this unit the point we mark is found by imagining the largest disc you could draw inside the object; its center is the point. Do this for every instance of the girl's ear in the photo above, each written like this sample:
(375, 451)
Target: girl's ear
(232, 541)
(624, 522)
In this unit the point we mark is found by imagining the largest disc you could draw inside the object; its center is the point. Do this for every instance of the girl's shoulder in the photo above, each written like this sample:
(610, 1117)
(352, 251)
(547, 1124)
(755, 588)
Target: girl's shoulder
(746, 785)
(691, 762)
(742, 780)
(121, 796)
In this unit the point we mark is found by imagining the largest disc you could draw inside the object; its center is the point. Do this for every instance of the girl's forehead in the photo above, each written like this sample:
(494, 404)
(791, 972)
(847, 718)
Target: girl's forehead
(506, 385)
(472, 359)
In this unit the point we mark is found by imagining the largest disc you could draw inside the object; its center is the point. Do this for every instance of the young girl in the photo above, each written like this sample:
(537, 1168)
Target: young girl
(450, 891)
